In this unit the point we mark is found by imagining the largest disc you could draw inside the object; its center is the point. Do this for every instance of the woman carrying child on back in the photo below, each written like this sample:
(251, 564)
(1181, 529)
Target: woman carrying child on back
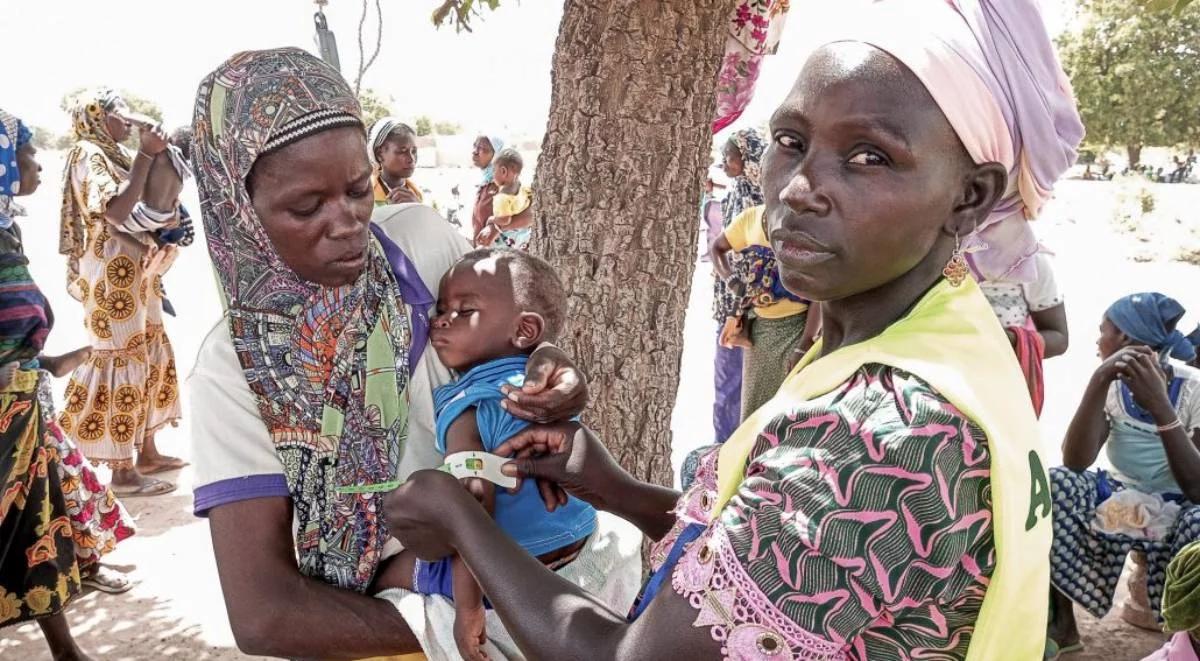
(113, 206)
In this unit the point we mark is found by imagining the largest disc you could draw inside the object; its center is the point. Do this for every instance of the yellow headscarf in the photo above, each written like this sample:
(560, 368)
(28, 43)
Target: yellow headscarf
(88, 124)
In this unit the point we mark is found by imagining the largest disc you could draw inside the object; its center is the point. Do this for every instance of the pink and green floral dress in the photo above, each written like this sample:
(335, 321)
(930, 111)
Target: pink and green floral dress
(862, 530)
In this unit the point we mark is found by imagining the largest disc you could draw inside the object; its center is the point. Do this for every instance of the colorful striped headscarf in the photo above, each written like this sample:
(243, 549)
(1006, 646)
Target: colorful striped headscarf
(328, 365)
(13, 136)
(746, 190)
(991, 67)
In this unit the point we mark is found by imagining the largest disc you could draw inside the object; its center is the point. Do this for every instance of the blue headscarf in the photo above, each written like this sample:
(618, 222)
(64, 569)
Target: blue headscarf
(1151, 318)
(489, 173)
(13, 136)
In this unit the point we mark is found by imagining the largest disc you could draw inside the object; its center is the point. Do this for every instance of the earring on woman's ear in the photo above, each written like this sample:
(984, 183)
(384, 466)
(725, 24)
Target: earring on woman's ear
(956, 270)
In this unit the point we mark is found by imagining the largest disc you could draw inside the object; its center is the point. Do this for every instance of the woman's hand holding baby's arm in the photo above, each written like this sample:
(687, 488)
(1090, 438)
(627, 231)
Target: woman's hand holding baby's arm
(554, 389)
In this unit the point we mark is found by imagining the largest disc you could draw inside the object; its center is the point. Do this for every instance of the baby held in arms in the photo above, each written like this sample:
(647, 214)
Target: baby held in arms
(494, 308)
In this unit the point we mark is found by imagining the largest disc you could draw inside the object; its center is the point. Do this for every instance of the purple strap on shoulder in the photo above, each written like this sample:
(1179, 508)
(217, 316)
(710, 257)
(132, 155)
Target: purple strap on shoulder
(414, 292)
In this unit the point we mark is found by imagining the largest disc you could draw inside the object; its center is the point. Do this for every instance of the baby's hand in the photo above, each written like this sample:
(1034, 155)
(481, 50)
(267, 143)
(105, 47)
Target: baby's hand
(502, 221)
(470, 632)
(487, 236)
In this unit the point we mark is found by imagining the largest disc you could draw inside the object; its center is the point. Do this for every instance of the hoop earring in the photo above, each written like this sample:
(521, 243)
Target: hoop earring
(956, 270)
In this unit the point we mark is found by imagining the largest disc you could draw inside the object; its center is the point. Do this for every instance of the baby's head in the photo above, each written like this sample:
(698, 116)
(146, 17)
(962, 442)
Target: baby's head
(494, 303)
(508, 165)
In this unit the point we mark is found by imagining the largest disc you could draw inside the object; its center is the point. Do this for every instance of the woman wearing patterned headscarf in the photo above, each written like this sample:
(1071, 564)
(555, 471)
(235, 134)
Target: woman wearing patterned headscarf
(56, 520)
(891, 501)
(127, 390)
(767, 322)
(1142, 406)
(742, 162)
(313, 393)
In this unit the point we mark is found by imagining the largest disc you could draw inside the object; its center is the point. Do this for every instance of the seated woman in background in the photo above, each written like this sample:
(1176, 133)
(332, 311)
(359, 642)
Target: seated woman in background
(1144, 410)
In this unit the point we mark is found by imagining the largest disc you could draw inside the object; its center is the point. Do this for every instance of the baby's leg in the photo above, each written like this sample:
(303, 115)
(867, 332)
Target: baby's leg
(163, 185)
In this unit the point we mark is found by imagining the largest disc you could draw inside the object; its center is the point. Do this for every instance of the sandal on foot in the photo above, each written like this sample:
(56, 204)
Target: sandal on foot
(107, 580)
(165, 467)
(146, 489)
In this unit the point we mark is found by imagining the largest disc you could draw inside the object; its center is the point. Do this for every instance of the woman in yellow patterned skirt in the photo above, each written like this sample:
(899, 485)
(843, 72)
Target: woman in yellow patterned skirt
(127, 390)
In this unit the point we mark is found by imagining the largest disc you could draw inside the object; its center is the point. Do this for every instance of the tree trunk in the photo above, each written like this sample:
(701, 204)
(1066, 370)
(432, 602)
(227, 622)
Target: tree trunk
(1135, 155)
(618, 193)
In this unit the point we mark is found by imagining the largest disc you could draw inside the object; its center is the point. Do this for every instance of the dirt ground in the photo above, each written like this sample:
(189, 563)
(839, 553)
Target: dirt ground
(176, 609)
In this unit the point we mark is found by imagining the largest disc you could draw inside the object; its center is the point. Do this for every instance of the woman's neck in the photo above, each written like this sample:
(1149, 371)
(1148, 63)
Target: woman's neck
(860, 317)
(391, 181)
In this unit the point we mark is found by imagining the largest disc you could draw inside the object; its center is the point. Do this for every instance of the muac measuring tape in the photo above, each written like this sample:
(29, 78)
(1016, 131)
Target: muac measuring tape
(483, 465)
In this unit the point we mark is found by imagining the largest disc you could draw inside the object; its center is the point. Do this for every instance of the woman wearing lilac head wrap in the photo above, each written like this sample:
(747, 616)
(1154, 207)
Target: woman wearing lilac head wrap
(889, 502)
(1143, 408)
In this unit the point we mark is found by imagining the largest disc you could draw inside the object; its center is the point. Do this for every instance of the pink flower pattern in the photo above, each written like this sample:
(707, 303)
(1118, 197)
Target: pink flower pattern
(862, 530)
(754, 31)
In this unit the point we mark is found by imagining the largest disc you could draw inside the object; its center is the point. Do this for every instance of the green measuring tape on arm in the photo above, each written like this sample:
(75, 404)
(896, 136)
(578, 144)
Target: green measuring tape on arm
(483, 465)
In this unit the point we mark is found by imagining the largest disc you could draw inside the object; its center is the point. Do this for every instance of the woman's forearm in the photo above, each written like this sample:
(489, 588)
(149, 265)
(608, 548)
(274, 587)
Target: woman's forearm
(647, 506)
(275, 611)
(1182, 454)
(122, 204)
(325, 622)
(1088, 428)
(1055, 342)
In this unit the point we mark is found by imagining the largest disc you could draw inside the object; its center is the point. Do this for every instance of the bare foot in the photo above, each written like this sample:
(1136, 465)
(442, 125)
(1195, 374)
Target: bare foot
(63, 365)
(159, 463)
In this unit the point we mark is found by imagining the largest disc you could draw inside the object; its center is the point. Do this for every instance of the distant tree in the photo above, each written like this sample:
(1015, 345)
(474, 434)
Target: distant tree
(43, 138)
(460, 12)
(1136, 72)
(424, 125)
(446, 128)
(375, 106)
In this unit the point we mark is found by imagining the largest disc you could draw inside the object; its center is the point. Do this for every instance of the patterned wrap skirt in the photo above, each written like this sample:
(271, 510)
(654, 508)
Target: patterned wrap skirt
(765, 365)
(1086, 564)
(39, 571)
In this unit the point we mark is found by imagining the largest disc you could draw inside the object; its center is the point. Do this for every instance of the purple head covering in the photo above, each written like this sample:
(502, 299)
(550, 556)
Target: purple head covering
(992, 69)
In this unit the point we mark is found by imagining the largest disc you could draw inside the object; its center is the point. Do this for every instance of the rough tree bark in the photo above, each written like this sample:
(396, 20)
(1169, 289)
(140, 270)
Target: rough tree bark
(618, 189)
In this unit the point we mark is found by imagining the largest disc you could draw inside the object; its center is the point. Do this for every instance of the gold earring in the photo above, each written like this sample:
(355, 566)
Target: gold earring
(956, 269)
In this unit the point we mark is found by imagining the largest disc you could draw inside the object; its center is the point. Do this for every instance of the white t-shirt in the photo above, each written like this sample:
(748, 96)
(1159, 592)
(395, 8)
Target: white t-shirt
(233, 455)
(1012, 302)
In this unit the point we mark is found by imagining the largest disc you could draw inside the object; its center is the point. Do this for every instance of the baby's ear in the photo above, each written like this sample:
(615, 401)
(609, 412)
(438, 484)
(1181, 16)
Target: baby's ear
(531, 326)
